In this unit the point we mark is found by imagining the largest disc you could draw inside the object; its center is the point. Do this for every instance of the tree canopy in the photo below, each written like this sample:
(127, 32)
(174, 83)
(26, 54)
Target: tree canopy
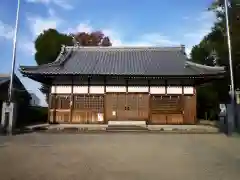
(213, 49)
(48, 45)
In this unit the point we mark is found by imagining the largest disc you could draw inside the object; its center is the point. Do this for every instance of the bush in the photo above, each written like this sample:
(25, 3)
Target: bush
(31, 115)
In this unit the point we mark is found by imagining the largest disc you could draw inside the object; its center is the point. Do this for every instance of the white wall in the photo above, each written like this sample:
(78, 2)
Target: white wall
(100, 89)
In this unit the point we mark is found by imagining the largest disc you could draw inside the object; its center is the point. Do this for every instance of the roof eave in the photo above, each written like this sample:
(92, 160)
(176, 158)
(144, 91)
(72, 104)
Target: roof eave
(213, 68)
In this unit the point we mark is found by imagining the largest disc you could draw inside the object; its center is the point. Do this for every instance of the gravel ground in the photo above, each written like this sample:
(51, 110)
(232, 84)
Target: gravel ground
(115, 156)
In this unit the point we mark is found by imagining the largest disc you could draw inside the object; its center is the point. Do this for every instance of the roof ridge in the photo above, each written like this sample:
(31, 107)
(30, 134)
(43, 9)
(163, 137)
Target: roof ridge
(130, 48)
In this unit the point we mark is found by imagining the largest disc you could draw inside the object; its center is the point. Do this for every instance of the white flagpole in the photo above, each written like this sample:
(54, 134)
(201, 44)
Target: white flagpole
(231, 121)
(10, 90)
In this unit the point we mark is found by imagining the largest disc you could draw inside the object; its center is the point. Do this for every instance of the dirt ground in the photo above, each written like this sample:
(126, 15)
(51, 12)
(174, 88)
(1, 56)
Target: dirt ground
(119, 156)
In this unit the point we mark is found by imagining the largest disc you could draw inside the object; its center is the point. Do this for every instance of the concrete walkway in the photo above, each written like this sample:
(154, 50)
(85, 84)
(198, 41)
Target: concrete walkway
(119, 156)
(151, 128)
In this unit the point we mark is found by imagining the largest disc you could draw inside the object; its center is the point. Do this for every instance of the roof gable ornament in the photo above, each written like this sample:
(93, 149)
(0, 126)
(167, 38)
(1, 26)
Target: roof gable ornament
(183, 49)
(75, 42)
(214, 57)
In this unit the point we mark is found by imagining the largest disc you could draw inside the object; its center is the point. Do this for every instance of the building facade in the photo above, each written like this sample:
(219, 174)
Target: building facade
(96, 85)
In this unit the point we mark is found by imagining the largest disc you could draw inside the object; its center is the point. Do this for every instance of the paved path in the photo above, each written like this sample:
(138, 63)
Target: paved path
(118, 156)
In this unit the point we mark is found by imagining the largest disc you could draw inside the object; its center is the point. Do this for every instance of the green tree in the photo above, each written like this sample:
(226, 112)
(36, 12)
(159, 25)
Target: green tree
(48, 45)
(216, 41)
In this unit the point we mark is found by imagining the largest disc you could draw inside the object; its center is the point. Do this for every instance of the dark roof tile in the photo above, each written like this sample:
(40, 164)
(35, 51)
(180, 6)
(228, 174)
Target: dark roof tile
(155, 61)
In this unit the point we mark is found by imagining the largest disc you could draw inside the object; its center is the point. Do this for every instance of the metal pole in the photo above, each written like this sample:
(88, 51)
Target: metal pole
(230, 120)
(10, 89)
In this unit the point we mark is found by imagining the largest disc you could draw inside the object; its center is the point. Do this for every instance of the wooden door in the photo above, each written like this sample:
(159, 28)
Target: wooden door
(111, 105)
(115, 106)
(143, 106)
(189, 109)
(132, 107)
(121, 107)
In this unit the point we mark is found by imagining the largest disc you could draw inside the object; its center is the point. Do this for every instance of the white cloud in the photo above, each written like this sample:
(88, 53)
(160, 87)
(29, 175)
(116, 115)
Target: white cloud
(6, 31)
(24, 44)
(114, 36)
(148, 39)
(203, 25)
(65, 4)
(38, 24)
(158, 39)
(82, 27)
(27, 46)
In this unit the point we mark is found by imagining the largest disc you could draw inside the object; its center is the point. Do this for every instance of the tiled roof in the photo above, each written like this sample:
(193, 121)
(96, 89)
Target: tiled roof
(147, 61)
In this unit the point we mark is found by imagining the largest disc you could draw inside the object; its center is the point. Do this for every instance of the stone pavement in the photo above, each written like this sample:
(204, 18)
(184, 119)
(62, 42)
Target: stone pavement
(118, 156)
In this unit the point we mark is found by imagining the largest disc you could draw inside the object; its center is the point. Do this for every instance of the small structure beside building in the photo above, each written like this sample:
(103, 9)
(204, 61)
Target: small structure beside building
(101, 85)
(20, 98)
(35, 101)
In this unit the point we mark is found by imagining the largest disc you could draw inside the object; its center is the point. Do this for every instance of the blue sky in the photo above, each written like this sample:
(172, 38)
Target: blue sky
(127, 22)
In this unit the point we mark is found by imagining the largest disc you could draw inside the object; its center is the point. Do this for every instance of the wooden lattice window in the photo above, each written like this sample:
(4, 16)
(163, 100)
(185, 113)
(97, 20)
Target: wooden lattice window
(89, 102)
(63, 101)
(167, 104)
(79, 102)
(96, 102)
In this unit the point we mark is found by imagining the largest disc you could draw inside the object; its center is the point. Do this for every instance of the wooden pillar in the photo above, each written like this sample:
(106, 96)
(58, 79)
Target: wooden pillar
(195, 100)
(88, 84)
(166, 84)
(182, 100)
(71, 101)
(104, 102)
(49, 107)
(149, 103)
(55, 106)
(182, 84)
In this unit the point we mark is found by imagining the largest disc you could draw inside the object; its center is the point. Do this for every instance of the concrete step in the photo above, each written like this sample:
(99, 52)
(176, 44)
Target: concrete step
(125, 128)
(127, 122)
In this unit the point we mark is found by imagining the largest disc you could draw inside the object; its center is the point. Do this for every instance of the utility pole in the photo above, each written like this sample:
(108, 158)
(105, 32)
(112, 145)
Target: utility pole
(10, 90)
(231, 119)
(9, 114)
